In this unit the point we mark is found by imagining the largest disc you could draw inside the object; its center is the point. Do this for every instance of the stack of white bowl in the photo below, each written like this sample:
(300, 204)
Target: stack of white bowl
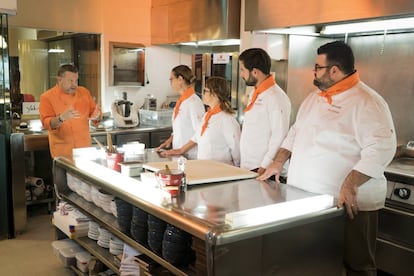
(116, 246)
(72, 182)
(85, 191)
(104, 201)
(93, 232)
(104, 237)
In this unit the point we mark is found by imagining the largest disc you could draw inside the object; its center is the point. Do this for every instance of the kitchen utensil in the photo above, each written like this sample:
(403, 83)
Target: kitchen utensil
(167, 169)
(99, 143)
(111, 148)
(113, 160)
(170, 180)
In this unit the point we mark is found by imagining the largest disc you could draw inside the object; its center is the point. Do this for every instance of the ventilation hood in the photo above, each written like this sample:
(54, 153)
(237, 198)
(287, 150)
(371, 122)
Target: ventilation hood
(196, 21)
(270, 14)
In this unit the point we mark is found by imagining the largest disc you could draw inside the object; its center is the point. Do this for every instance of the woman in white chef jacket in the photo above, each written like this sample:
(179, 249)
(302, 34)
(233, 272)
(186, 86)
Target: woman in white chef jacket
(218, 137)
(188, 111)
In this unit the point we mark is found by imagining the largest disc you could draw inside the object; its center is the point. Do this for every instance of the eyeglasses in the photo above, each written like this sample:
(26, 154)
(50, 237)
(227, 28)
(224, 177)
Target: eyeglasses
(317, 67)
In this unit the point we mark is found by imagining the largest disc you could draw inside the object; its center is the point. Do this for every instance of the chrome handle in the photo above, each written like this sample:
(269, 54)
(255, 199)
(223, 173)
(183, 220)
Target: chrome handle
(399, 211)
(396, 245)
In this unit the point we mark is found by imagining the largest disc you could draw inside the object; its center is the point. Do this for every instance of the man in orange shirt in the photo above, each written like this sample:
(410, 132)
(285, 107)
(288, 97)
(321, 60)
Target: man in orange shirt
(65, 111)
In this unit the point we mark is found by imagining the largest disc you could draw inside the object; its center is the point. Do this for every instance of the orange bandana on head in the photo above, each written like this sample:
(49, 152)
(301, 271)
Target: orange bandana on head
(340, 87)
(187, 94)
(209, 113)
(266, 84)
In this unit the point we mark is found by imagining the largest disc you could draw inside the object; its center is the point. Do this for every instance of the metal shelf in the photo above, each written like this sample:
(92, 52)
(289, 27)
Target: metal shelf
(99, 252)
(111, 223)
(77, 271)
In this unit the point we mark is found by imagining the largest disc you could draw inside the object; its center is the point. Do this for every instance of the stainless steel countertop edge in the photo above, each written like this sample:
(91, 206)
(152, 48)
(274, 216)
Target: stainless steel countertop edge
(258, 230)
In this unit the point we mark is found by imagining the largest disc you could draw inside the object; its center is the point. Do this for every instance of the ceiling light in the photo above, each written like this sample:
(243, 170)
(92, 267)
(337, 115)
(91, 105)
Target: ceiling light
(3, 43)
(369, 26)
(220, 42)
(302, 30)
(56, 50)
(136, 50)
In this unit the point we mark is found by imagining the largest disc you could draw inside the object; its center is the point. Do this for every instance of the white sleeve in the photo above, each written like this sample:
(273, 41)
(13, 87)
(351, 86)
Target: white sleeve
(197, 112)
(279, 118)
(376, 135)
(290, 137)
(232, 136)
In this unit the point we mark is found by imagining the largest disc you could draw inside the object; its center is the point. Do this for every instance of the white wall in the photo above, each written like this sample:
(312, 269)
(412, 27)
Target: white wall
(8, 6)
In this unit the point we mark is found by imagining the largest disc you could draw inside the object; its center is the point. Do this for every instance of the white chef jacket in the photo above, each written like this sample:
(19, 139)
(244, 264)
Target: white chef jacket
(264, 127)
(189, 118)
(327, 141)
(221, 139)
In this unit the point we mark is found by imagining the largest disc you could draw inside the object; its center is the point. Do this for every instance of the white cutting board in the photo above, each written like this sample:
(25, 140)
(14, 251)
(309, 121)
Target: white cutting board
(204, 171)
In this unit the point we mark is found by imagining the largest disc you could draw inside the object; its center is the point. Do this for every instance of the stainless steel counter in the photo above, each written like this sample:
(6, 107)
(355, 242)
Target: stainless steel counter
(22, 141)
(238, 217)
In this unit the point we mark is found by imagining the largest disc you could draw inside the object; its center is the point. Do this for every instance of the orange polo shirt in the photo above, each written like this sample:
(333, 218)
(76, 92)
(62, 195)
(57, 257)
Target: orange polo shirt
(73, 133)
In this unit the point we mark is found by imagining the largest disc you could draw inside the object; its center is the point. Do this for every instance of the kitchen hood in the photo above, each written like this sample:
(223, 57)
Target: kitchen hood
(195, 21)
(270, 14)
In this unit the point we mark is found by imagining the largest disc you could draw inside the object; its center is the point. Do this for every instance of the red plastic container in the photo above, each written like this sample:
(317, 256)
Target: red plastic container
(170, 181)
(113, 160)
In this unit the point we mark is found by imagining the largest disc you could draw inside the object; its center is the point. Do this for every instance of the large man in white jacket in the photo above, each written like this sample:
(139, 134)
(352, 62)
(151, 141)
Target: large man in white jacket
(340, 144)
(266, 117)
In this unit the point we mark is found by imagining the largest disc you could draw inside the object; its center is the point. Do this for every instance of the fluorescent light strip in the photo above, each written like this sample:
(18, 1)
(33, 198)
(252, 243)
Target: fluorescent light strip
(56, 50)
(303, 30)
(371, 26)
(223, 42)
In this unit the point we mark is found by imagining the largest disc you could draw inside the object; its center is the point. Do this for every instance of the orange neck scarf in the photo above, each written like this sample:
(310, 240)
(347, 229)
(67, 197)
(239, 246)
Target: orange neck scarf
(210, 113)
(187, 94)
(266, 84)
(340, 87)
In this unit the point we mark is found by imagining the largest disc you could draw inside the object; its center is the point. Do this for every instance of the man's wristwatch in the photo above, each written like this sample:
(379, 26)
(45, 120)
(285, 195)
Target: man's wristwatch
(60, 119)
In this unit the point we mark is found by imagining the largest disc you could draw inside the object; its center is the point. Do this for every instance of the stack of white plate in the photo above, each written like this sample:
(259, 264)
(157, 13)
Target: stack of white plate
(105, 200)
(93, 232)
(116, 246)
(113, 208)
(95, 195)
(104, 237)
(73, 182)
(85, 191)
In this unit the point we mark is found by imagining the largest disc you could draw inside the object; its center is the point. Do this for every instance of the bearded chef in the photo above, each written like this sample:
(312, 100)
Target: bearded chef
(266, 117)
(340, 144)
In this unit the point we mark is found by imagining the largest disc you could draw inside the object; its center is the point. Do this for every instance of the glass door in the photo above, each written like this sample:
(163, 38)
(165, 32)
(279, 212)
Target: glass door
(6, 219)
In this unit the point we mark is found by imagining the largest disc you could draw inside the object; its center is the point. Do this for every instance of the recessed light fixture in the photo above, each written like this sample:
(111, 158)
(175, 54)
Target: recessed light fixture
(300, 30)
(220, 42)
(3, 43)
(369, 26)
(56, 50)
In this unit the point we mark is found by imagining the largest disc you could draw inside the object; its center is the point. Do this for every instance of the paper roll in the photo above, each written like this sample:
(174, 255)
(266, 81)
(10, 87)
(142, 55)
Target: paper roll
(34, 181)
